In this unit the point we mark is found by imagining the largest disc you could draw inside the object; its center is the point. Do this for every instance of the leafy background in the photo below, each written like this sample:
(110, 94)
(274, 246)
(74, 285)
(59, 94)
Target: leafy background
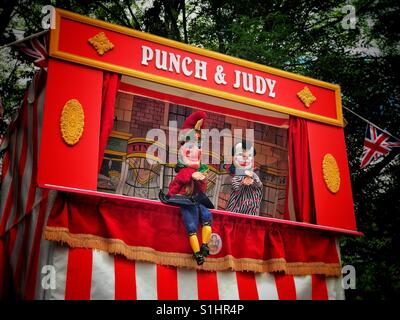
(305, 37)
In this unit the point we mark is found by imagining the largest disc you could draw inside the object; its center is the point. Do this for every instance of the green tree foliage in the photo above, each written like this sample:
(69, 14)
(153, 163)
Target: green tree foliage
(305, 37)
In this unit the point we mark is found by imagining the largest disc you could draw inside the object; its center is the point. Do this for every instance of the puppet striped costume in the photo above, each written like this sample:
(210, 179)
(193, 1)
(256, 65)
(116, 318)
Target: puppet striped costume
(245, 199)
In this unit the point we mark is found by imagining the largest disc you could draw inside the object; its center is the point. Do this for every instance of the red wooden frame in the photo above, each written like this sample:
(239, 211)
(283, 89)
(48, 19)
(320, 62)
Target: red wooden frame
(80, 77)
(60, 163)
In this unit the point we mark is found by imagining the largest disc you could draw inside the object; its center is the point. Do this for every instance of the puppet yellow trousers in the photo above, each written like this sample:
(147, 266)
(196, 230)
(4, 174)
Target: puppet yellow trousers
(191, 216)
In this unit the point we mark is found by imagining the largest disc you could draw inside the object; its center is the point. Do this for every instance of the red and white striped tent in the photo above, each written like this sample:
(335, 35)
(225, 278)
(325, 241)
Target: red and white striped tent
(90, 274)
(67, 267)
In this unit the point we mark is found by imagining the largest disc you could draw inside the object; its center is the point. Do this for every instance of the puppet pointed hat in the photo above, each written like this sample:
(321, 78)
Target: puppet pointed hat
(193, 123)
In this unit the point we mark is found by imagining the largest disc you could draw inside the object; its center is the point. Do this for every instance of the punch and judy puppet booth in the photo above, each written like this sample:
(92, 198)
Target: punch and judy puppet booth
(80, 216)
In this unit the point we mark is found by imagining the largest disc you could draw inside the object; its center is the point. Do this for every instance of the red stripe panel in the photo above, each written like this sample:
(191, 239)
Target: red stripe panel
(125, 278)
(21, 164)
(10, 200)
(79, 274)
(319, 289)
(4, 169)
(285, 286)
(247, 286)
(167, 283)
(35, 252)
(207, 285)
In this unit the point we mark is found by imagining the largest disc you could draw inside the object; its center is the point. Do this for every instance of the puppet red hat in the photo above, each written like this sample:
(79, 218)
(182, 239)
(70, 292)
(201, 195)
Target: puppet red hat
(195, 121)
(193, 124)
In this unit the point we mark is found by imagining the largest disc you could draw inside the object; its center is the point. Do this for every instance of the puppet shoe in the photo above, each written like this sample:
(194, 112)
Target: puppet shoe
(205, 251)
(199, 258)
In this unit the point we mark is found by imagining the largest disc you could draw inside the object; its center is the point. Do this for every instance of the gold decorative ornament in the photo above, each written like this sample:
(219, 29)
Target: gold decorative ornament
(101, 43)
(331, 173)
(72, 122)
(306, 97)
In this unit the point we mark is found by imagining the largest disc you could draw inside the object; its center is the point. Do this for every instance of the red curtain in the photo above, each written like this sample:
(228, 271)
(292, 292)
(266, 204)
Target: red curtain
(110, 87)
(300, 171)
(149, 231)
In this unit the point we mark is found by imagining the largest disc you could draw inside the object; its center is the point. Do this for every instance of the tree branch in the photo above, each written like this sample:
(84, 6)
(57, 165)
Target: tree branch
(136, 22)
(185, 33)
(122, 10)
(112, 15)
(6, 85)
(172, 18)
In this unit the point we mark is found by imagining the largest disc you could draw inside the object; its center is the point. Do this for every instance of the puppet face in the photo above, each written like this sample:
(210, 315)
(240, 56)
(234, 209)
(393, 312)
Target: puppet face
(190, 154)
(243, 158)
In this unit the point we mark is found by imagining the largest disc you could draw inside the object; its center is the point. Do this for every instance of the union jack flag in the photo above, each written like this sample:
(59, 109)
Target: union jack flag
(376, 144)
(36, 48)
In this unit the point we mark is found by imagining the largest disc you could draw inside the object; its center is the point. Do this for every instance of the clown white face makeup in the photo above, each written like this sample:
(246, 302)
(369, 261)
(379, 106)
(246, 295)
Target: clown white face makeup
(243, 159)
(190, 154)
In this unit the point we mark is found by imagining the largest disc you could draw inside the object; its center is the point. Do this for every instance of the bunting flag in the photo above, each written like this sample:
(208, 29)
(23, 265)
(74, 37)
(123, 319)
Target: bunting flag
(35, 48)
(377, 144)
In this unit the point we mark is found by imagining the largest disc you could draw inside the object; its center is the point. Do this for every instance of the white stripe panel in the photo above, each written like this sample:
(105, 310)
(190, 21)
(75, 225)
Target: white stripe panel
(303, 286)
(330, 286)
(103, 276)
(146, 280)
(187, 284)
(60, 263)
(46, 248)
(340, 295)
(335, 289)
(227, 285)
(340, 290)
(5, 188)
(45, 258)
(266, 286)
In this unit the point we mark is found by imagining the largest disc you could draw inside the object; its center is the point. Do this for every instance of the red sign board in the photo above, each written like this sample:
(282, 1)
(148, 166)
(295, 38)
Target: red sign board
(95, 43)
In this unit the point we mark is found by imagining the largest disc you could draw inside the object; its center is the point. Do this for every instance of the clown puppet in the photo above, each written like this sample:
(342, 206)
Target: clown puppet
(187, 189)
(247, 187)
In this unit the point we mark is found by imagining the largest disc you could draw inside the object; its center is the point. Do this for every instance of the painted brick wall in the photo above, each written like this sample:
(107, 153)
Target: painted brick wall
(123, 112)
(146, 114)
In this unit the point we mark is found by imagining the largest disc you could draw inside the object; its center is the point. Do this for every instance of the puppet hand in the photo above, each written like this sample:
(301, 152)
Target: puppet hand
(249, 173)
(247, 181)
(198, 176)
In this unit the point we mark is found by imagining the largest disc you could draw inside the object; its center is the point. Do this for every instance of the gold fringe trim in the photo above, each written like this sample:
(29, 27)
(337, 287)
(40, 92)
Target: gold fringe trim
(184, 260)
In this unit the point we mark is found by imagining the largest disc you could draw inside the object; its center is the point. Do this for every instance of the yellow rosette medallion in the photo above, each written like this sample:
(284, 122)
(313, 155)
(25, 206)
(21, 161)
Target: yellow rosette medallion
(72, 122)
